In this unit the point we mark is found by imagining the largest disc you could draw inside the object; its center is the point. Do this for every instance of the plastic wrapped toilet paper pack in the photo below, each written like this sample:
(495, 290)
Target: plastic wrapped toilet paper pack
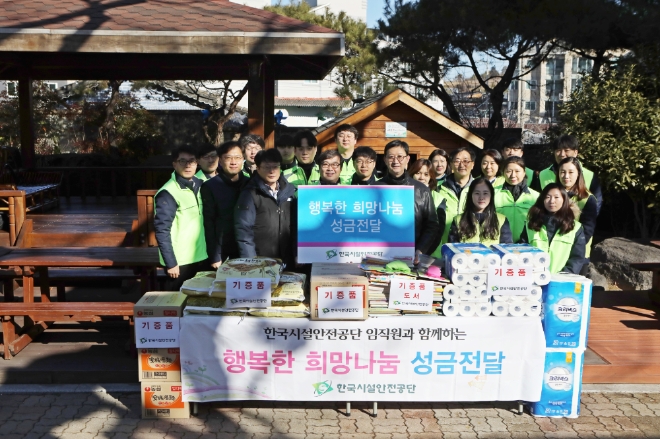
(566, 309)
(467, 258)
(562, 384)
(527, 255)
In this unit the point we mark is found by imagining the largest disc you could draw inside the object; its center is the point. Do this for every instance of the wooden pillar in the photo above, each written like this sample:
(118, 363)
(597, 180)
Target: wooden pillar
(256, 92)
(26, 121)
(269, 107)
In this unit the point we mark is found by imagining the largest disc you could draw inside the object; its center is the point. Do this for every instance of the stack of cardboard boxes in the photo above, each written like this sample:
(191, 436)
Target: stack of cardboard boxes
(566, 310)
(157, 316)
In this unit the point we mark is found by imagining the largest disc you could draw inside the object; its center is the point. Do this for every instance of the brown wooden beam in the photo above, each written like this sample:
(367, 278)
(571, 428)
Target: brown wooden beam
(26, 118)
(256, 94)
(269, 107)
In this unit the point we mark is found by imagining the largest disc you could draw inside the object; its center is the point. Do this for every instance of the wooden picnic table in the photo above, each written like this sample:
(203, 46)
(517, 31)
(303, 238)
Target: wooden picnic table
(26, 262)
(655, 244)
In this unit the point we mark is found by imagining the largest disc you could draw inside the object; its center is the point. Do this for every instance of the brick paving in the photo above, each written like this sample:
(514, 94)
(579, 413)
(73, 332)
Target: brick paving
(117, 415)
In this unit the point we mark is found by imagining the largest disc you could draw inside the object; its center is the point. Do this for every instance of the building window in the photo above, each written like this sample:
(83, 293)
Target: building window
(51, 86)
(530, 105)
(310, 81)
(12, 88)
(514, 85)
(582, 65)
(531, 84)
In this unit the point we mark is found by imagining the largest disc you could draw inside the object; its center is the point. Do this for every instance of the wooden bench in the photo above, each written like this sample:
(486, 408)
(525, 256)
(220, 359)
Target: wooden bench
(42, 189)
(12, 202)
(654, 267)
(15, 338)
(146, 233)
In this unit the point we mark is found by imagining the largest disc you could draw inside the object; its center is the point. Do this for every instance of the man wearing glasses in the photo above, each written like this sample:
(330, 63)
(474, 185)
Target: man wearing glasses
(426, 219)
(453, 191)
(208, 162)
(178, 220)
(330, 162)
(251, 144)
(346, 137)
(219, 197)
(264, 220)
(364, 161)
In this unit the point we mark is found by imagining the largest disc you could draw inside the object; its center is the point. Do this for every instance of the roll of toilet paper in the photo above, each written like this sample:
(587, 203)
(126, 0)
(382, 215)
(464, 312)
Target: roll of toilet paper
(499, 298)
(467, 293)
(460, 279)
(526, 259)
(541, 259)
(483, 309)
(459, 261)
(467, 309)
(451, 293)
(477, 279)
(500, 309)
(476, 261)
(542, 278)
(516, 299)
(450, 309)
(517, 309)
(533, 309)
(482, 293)
(493, 259)
(509, 259)
(535, 295)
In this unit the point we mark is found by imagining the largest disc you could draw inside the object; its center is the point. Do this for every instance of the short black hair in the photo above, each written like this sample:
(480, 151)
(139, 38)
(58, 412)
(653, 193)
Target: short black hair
(346, 127)
(187, 149)
(566, 141)
(305, 134)
(364, 151)
(455, 152)
(284, 140)
(246, 139)
(205, 148)
(228, 146)
(271, 155)
(517, 160)
(328, 154)
(397, 143)
(513, 143)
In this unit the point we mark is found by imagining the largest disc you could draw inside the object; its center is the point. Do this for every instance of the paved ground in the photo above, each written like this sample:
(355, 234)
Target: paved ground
(116, 414)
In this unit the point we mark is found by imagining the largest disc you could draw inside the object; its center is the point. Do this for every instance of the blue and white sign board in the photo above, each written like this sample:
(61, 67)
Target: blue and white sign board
(345, 223)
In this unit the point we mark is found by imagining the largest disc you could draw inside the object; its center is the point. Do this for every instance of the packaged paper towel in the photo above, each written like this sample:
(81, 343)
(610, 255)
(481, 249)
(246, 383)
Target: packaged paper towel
(562, 384)
(566, 308)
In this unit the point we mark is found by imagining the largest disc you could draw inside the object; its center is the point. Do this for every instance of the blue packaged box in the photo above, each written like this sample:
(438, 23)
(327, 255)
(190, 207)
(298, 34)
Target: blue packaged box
(566, 310)
(467, 258)
(562, 384)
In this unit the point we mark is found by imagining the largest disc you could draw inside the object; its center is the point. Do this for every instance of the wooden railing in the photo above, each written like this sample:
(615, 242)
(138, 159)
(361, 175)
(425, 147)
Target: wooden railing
(145, 222)
(13, 202)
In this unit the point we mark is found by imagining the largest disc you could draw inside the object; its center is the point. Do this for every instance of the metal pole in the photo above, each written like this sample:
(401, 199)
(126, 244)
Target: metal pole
(348, 409)
(375, 410)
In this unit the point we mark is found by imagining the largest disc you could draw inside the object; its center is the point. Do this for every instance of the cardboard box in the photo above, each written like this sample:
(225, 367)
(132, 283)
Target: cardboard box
(162, 364)
(160, 304)
(336, 275)
(163, 400)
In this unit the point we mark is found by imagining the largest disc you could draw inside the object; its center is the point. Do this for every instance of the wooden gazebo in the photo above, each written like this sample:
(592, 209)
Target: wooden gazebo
(157, 39)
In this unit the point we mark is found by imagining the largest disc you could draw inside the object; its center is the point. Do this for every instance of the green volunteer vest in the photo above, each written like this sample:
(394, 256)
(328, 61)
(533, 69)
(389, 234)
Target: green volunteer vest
(347, 171)
(454, 206)
(560, 247)
(580, 204)
(548, 176)
(488, 242)
(530, 175)
(201, 175)
(188, 227)
(515, 211)
(296, 176)
(499, 181)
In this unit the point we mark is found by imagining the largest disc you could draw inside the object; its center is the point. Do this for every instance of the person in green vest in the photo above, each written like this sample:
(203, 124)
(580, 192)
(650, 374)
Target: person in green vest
(491, 167)
(422, 170)
(513, 147)
(346, 137)
(286, 147)
(453, 193)
(551, 226)
(480, 222)
(583, 201)
(251, 144)
(364, 162)
(514, 199)
(208, 162)
(179, 221)
(306, 171)
(440, 161)
(330, 163)
(568, 146)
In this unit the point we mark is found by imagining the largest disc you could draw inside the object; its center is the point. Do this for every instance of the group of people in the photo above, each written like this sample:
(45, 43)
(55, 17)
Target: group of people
(242, 200)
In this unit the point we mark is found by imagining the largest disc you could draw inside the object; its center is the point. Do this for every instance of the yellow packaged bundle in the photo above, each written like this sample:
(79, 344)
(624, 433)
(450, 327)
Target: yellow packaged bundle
(300, 310)
(290, 291)
(249, 268)
(211, 306)
(200, 285)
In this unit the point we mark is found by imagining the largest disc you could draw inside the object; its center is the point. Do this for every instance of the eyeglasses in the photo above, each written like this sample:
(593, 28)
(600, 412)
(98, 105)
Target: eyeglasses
(398, 158)
(330, 165)
(346, 136)
(185, 163)
(232, 158)
(364, 162)
(459, 162)
(210, 157)
(252, 148)
(269, 168)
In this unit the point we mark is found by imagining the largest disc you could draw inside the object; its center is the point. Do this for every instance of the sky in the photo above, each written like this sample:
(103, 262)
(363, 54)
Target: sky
(374, 12)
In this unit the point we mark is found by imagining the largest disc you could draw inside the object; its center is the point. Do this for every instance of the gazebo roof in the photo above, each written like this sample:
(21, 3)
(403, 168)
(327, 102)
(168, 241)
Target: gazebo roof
(202, 39)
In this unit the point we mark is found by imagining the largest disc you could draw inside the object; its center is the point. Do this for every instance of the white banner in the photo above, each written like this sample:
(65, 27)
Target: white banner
(380, 359)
